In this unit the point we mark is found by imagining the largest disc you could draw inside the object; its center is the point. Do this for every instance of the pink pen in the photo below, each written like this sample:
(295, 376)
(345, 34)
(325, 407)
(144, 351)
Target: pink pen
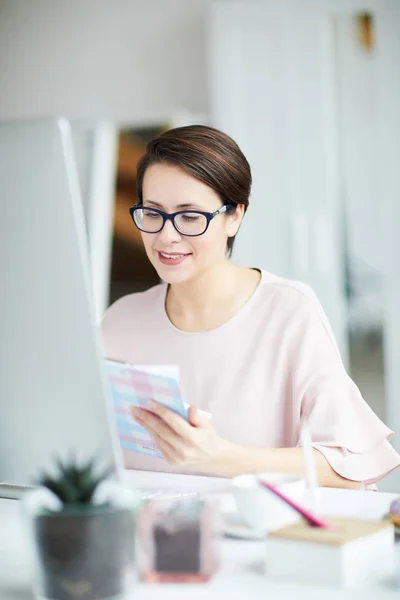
(309, 517)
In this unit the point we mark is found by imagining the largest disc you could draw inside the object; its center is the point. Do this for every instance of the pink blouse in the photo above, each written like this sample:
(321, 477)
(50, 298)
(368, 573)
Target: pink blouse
(272, 364)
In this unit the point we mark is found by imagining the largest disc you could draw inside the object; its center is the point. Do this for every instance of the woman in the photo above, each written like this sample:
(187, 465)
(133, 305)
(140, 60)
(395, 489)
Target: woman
(254, 349)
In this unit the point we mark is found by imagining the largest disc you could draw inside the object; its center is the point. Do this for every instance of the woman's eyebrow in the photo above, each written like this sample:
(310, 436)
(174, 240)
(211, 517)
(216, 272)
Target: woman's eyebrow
(153, 203)
(178, 206)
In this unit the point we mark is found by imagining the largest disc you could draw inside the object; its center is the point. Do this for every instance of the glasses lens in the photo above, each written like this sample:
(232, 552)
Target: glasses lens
(148, 220)
(191, 223)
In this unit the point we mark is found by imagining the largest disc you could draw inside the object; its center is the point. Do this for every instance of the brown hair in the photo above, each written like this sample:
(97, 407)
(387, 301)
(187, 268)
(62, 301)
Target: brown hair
(208, 155)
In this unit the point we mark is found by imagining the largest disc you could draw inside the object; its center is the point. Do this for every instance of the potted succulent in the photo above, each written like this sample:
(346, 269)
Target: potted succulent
(82, 528)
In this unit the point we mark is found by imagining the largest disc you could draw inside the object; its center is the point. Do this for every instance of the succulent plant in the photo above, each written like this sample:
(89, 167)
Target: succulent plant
(74, 484)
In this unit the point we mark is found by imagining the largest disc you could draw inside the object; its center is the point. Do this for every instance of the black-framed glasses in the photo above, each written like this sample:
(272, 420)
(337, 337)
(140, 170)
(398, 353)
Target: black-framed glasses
(186, 222)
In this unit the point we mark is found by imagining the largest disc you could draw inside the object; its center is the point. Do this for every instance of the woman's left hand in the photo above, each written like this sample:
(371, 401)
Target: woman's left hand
(194, 444)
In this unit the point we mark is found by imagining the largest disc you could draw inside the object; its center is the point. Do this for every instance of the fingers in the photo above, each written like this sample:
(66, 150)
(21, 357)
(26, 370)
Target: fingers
(196, 419)
(157, 425)
(173, 453)
(175, 422)
(168, 452)
(193, 415)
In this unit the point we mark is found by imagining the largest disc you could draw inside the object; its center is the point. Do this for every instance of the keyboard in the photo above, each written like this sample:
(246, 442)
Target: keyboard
(166, 494)
(18, 492)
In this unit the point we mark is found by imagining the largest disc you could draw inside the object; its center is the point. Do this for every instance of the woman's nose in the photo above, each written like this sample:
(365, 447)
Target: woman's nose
(169, 234)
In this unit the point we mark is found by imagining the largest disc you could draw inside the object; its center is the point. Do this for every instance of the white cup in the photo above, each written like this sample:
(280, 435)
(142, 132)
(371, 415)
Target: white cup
(259, 508)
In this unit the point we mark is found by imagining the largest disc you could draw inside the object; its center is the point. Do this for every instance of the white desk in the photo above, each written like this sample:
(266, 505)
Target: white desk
(241, 574)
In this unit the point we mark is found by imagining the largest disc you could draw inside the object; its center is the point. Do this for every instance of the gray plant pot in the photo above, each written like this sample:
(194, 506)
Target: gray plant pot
(84, 554)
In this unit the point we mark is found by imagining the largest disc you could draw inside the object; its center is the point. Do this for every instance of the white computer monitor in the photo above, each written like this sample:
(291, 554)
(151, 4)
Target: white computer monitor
(52, 394)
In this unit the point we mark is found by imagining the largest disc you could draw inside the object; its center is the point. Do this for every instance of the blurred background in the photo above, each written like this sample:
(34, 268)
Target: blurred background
(310, 89)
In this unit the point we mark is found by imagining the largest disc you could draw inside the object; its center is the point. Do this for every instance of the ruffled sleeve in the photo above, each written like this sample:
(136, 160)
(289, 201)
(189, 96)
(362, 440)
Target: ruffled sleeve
(343, 427)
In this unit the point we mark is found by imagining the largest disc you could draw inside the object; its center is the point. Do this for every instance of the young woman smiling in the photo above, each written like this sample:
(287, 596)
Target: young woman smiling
(254, 349)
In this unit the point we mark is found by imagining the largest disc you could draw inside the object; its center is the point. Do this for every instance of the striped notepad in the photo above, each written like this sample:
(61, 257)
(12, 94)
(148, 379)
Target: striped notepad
(131, 386)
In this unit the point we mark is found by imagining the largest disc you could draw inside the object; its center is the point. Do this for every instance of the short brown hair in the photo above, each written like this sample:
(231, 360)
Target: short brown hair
(207, 154)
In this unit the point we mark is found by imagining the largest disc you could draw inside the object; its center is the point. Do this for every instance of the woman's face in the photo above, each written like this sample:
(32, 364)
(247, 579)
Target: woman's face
(178, 258)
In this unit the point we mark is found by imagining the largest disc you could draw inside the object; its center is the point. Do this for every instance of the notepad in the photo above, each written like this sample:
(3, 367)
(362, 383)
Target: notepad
(136, 385)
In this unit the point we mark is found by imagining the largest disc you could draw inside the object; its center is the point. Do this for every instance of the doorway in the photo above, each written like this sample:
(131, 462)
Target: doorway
(131, 270)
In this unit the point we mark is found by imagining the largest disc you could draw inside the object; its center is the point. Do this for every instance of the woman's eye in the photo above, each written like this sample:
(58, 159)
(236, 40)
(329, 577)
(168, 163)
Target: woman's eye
(151, 215)
(190, 218)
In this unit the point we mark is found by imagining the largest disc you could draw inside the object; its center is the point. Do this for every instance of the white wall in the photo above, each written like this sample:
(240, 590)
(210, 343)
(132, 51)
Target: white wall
(358, 97)
(123, 60)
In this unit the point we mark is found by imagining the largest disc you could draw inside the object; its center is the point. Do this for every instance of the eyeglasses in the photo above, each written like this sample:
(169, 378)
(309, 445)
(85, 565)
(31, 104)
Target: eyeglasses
(186, 222)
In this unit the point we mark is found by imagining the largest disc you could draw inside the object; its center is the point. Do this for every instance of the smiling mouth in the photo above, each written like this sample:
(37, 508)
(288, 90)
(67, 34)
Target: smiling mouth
(168, 255)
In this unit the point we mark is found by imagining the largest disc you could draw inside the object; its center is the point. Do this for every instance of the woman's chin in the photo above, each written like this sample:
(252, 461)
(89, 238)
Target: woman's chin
(174, 275)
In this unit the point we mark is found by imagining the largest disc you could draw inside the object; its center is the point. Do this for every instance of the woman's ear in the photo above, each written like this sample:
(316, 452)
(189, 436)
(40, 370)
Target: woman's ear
(234, 220)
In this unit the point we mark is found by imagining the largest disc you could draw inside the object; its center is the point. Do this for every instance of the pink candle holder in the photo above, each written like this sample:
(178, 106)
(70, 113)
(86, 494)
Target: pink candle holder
(178, 540)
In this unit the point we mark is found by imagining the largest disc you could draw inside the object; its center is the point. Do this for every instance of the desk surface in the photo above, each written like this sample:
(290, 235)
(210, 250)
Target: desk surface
(242, 570)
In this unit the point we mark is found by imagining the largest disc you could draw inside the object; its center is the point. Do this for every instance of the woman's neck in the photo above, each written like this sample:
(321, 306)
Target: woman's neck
(212, 299)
